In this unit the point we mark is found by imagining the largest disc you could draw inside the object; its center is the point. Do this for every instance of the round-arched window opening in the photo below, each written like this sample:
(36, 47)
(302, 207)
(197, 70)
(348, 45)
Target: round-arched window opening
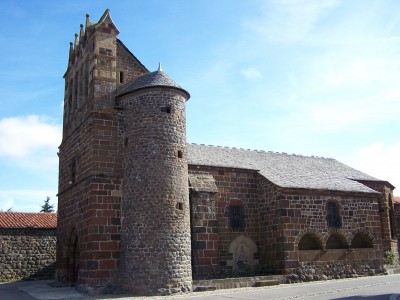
(336, 241)
(310, 242)
(361, 240)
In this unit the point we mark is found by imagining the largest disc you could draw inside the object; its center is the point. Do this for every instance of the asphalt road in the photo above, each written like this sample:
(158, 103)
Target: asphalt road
(10, 291)
(365, 288)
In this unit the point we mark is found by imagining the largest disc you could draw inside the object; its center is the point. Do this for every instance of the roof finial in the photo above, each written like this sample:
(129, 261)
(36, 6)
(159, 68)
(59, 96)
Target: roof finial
(159, 67)
(81, 32)
(76, 40)
(87, 20)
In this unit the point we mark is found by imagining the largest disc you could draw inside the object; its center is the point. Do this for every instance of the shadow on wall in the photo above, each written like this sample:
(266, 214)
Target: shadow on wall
(47, 272)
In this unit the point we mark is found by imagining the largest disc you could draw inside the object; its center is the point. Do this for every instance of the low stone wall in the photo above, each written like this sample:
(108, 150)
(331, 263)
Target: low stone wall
(335, 264)
(27, 253)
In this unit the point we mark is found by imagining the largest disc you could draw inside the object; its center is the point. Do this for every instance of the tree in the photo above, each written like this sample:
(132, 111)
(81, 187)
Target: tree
(47, 207)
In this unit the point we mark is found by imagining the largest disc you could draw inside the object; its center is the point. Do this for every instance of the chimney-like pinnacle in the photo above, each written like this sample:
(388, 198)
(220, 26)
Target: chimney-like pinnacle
(159, 67)
(76, 40)
(87, 20)
(82, 31)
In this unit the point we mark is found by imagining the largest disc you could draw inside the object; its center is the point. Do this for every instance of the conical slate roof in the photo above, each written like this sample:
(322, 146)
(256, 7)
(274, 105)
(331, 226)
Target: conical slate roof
(154, 79)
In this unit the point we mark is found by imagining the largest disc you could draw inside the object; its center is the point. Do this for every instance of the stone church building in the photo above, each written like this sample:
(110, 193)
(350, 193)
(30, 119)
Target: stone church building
(141, 210)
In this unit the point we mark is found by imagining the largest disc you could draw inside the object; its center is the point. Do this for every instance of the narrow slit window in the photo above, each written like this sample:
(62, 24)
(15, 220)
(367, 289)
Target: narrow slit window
(126, 142)
(180, 154)
(73, 171)
(121, 77)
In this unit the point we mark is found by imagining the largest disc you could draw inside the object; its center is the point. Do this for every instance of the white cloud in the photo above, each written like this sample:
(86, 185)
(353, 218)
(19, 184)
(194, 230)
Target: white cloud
(288, 21)
(6, 202)
(24, 136)
(366, 111)
(251, 73)
(25, 200)
(381, 161)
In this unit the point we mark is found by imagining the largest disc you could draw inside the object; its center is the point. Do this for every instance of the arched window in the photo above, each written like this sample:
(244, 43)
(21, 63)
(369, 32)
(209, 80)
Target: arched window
(336, 241)
(333, 216)
(310, 241)
(361, 240)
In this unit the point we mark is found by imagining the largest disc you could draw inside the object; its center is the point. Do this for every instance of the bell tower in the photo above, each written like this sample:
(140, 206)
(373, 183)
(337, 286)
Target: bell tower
(90, 160)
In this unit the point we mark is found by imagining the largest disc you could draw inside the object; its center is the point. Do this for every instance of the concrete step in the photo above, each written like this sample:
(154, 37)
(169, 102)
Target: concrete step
(392, 269)
(261, 283)
(240, 282)
(205, 288)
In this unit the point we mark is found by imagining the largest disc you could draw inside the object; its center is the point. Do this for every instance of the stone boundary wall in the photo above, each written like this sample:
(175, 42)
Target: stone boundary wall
(27, 253)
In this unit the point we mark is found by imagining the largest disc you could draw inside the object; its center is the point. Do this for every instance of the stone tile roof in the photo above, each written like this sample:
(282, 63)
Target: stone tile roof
(202, 182)
(288, 171)
(154, 79)
(28, 220)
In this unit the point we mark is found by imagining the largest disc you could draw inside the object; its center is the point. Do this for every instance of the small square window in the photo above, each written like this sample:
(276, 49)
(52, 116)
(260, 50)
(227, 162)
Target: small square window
(179, 205)
(166, 109)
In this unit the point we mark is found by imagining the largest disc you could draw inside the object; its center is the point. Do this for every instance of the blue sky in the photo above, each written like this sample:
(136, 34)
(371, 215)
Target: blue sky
(296, 76)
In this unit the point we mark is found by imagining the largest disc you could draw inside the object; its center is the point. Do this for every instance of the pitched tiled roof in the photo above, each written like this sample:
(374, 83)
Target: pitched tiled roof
(28, 220)
(397, 200)
(154, 79)
(290, 171)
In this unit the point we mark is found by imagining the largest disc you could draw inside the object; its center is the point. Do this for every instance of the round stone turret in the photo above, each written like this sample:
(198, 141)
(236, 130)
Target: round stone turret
(155, 217)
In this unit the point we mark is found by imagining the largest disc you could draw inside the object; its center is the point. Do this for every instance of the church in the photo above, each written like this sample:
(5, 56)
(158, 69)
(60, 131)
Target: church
(142, 211)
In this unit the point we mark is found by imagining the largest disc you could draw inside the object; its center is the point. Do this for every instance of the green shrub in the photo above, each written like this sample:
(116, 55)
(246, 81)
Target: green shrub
(390, 258)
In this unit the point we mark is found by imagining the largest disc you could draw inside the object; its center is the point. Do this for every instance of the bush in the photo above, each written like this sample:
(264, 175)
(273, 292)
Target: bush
(390, 258)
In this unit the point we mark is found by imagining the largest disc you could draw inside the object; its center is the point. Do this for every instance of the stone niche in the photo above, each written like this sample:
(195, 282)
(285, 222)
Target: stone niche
(243, 249)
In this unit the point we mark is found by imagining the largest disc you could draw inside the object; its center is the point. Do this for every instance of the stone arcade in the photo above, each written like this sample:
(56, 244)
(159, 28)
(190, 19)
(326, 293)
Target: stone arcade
(142, 211)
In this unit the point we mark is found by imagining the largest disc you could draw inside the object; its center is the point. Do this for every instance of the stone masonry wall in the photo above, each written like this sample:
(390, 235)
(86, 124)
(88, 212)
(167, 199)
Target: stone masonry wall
(155, 219)
(276, 219)
(27, 254)
(397, 218)
(89, 203)
(205, 245)
(212, 238)
(272, 255)
(306, 213)
(91, 171)
(387, 214)
(128, 67)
